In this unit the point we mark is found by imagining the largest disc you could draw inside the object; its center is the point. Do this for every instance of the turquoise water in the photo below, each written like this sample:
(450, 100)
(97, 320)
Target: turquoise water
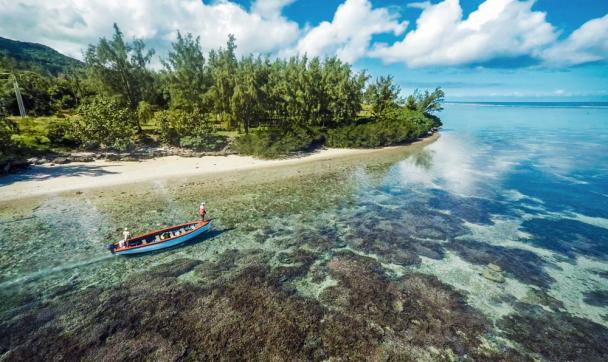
(490, 243)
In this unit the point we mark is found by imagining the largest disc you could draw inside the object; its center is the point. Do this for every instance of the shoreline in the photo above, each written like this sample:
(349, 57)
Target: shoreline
(76, 176)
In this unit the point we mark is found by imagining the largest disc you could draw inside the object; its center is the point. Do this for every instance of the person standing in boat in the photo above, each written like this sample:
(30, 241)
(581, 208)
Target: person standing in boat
(202, 211)
(125, 236)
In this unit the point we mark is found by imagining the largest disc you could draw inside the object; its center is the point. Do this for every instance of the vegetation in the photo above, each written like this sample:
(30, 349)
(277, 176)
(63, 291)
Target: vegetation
(105, 123)
(27, 56)
(270, 107)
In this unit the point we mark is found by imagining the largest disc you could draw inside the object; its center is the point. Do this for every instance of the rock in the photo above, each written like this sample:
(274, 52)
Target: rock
(397, 305)
(83, 157)
(61, 160)
(493, 276)
(494, 267)
(284, 258)
(112, 156)
(32, 160)
(540, 297)
(40, 161)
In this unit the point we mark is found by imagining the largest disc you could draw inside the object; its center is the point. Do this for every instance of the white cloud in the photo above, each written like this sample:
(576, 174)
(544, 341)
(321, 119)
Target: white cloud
(69, 25)
(350, 32)
(269, 8)
(442, 37)
(589, 43)
(498, 28)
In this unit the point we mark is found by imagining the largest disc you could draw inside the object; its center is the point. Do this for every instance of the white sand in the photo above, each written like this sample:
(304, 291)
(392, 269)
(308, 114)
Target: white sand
(43, 179)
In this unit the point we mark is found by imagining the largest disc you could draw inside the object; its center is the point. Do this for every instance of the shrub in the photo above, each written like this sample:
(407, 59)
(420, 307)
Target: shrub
(273, 143)
(204, 142)
(61, 132)
(391, 127)
(104, 122)
(177, 124)
(7, 129)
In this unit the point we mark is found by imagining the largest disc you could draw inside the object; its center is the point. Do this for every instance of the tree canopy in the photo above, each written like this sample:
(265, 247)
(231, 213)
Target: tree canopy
(277, 105)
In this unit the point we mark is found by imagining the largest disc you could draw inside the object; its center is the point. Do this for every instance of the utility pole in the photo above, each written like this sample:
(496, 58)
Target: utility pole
(11, 76)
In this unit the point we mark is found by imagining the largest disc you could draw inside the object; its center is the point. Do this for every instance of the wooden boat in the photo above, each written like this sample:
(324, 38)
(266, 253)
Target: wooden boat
(161, 239)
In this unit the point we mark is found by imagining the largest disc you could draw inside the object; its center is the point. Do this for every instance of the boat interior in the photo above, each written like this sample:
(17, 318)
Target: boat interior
(162, 235)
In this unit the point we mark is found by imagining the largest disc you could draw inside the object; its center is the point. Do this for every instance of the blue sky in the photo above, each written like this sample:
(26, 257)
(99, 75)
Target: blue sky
(476, 50)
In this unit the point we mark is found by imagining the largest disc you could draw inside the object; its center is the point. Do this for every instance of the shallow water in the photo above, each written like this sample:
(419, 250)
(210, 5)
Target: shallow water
(490, 243)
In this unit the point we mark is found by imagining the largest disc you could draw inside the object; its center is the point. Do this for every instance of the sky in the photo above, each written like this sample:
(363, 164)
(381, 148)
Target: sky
(476, 50)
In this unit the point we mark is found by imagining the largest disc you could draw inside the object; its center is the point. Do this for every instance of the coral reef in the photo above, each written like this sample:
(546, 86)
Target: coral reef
(556, 336)
(240, 308)
(521, 264)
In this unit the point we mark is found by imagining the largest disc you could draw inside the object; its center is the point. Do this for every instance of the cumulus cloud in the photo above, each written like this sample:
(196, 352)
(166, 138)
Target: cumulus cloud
(497, 29)
(349, 34)
(69, 25)
(589, 43)
(443, 36)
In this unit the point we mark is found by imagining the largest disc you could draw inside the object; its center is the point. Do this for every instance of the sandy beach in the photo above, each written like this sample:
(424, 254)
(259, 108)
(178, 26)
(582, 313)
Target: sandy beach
(45, 179)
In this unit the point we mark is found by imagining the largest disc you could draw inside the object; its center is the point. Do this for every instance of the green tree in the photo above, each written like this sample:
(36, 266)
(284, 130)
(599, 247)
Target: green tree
(62, 94)
(248, 98)
(222, 66)
(426, 102)
(186, 74)
(120, 69)
(382, 94)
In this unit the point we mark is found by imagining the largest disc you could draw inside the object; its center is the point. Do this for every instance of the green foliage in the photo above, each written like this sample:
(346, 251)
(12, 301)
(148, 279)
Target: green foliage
(391, 127)
(34, 92)
(120, 69)
(186, 77)
(104, 122)
(7, 129)
(427, 102)
(145, 112)
(61, 132)
(222, 67)
(62, 93)
(382, 95)
(274, 143)
(283, 106)
(36, 57)
(208, 141)
(176, 124)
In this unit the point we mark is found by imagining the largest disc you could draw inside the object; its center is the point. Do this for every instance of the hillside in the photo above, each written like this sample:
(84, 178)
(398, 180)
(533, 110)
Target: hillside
(32, 55)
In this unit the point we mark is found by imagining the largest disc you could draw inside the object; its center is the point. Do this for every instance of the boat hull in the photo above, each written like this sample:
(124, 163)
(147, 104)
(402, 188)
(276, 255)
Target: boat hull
(167, 244)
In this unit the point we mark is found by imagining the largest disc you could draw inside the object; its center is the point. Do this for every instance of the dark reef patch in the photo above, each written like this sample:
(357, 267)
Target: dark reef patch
(238, 307)
(472, 209)
(598, 298)
(403, 239)
(557, 336)
(568, 237)
(414, 312)
(522, 264)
